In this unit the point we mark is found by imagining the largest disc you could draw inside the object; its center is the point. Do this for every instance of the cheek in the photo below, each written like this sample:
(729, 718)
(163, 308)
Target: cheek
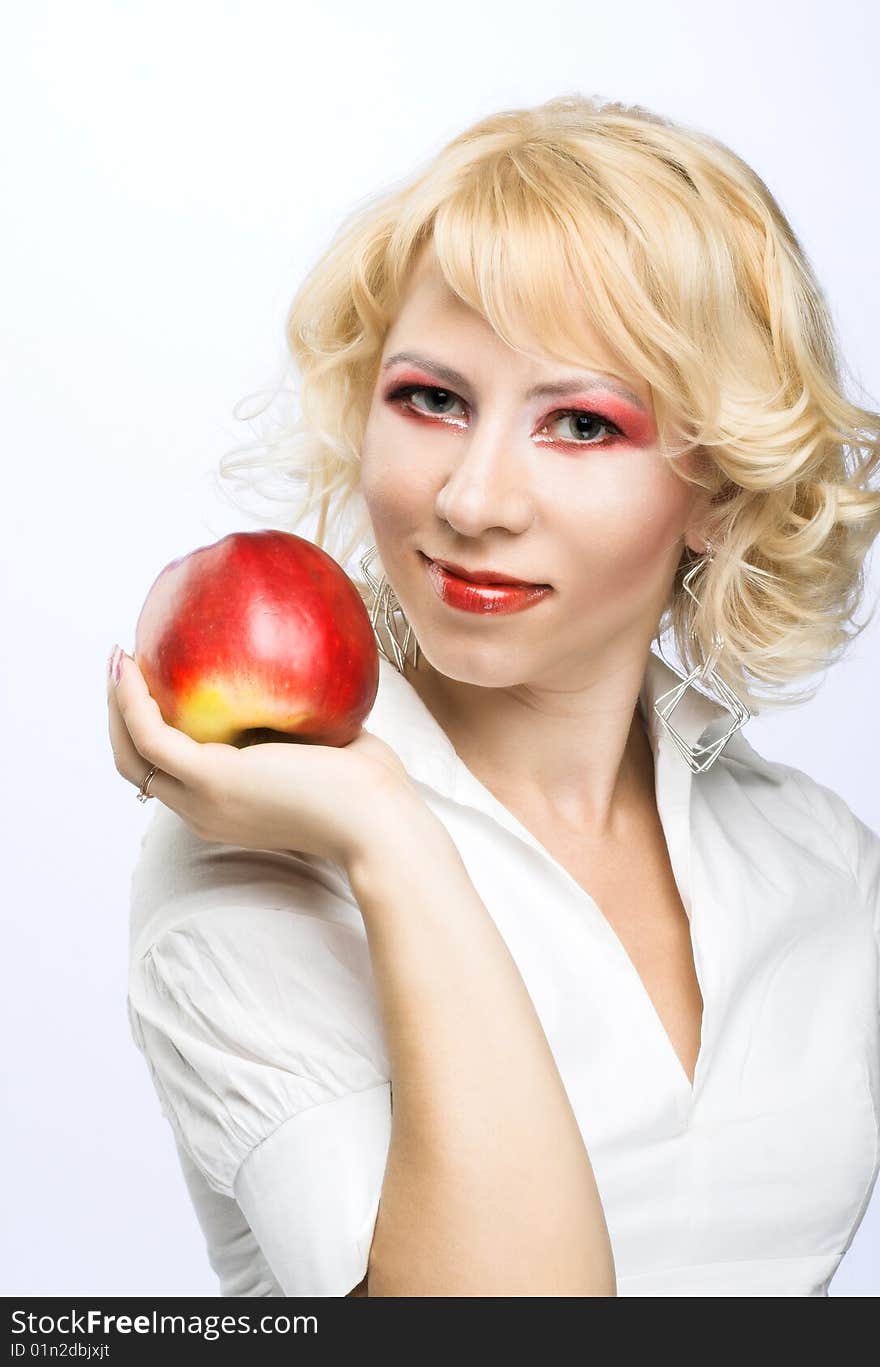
(631, 531)
(389, 477)
(656, 515)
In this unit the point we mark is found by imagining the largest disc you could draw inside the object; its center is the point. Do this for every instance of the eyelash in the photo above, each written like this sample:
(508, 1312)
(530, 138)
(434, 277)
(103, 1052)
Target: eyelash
(408, 390)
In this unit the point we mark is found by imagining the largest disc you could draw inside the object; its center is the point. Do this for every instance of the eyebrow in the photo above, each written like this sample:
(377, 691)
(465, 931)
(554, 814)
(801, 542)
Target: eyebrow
(558, 389)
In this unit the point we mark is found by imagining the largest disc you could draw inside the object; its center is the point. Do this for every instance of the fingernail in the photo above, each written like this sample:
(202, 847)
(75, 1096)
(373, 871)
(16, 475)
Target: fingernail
(117, 665)
(111, 660)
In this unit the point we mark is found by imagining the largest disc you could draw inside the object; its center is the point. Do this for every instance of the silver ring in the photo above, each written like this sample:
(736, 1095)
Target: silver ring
(143, 793)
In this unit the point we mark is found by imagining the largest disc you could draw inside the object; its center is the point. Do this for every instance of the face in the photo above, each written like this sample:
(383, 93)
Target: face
(567, 490)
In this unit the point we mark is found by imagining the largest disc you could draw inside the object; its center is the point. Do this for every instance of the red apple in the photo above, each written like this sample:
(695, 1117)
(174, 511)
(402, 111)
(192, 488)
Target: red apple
(258, 632)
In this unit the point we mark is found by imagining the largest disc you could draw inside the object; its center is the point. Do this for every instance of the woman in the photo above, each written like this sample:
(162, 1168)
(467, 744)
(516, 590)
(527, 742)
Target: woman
(619, 969)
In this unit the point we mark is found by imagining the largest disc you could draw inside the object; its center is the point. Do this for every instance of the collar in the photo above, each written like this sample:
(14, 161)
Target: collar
(401, 719)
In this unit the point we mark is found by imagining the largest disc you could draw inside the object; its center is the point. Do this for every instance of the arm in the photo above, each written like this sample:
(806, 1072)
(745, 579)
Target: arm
(488, 1187)
(482, 1182)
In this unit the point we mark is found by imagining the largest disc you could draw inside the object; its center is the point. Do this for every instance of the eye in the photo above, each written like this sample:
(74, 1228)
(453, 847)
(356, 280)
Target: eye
(589, 421)
(406, 393)
(437, 400)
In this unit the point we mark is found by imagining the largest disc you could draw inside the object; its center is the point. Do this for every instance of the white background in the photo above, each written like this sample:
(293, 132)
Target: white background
(170, 170)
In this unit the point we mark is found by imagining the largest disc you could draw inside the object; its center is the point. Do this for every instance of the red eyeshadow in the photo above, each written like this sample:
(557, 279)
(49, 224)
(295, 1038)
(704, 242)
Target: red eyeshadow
(637, 426)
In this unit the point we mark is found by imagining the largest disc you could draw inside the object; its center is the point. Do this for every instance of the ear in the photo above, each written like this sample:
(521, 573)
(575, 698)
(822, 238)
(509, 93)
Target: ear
(696, 543)
(693, 535)
(704, 501)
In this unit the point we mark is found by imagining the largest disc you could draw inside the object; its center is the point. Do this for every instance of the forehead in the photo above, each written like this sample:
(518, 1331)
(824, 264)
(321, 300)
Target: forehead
(425, 288)
(428, 304)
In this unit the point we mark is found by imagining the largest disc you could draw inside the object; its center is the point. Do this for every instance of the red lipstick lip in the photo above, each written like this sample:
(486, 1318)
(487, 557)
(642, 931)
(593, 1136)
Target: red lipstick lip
(485, 600)
(484, 576)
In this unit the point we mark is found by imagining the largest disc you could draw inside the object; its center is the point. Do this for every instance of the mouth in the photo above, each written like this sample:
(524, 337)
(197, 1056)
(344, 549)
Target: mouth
(483, 578)
(497, 597)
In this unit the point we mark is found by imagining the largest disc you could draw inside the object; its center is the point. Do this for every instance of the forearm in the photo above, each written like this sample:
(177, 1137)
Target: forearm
(488, 1188)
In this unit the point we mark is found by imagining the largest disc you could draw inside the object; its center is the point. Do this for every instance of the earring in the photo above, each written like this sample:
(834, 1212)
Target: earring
(385, 603)
(702, 757)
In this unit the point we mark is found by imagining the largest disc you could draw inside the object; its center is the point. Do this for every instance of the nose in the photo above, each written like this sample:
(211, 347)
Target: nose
(489, 485)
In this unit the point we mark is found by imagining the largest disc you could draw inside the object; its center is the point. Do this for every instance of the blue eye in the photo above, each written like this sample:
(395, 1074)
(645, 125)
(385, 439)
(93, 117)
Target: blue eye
(591, 418)
(405, 394)
(408, 391)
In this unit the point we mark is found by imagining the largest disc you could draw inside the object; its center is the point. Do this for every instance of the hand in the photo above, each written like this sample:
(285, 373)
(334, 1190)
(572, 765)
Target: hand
(319, 799)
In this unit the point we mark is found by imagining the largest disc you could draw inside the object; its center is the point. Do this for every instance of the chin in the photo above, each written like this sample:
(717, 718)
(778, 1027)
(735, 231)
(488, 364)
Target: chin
(481, 664)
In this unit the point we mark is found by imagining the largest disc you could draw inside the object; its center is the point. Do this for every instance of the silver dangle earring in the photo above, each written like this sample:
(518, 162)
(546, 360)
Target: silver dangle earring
(701, 757)
(385, 605)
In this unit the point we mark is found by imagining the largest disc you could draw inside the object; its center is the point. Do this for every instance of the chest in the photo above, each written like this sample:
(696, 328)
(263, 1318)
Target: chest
(775, 1151)
(632, 884)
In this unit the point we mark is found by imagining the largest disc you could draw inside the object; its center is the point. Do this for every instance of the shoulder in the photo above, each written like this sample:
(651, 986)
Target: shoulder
(249, 934)
(813, 813)
(179, 878)
(239, 928)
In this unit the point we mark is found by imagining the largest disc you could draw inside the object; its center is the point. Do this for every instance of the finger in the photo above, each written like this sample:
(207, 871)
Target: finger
(134, 766)
(177, 754)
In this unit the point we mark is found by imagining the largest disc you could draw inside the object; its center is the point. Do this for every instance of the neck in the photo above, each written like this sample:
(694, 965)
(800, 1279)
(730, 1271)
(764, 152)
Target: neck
(578, 757)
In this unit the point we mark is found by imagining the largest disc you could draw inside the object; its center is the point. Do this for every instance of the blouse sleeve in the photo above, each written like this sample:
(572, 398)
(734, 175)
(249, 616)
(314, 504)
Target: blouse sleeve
(858, 844)
(867, 869)
(256, 1013)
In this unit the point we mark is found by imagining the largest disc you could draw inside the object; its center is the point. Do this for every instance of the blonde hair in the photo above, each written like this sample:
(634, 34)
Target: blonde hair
(682, 259)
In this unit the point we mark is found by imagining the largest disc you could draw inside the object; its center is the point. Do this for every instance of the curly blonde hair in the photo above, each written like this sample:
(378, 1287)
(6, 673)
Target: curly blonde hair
(681, 258)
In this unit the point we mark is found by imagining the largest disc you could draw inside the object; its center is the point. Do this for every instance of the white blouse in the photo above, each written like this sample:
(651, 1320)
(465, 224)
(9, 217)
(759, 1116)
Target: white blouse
(251, 996)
